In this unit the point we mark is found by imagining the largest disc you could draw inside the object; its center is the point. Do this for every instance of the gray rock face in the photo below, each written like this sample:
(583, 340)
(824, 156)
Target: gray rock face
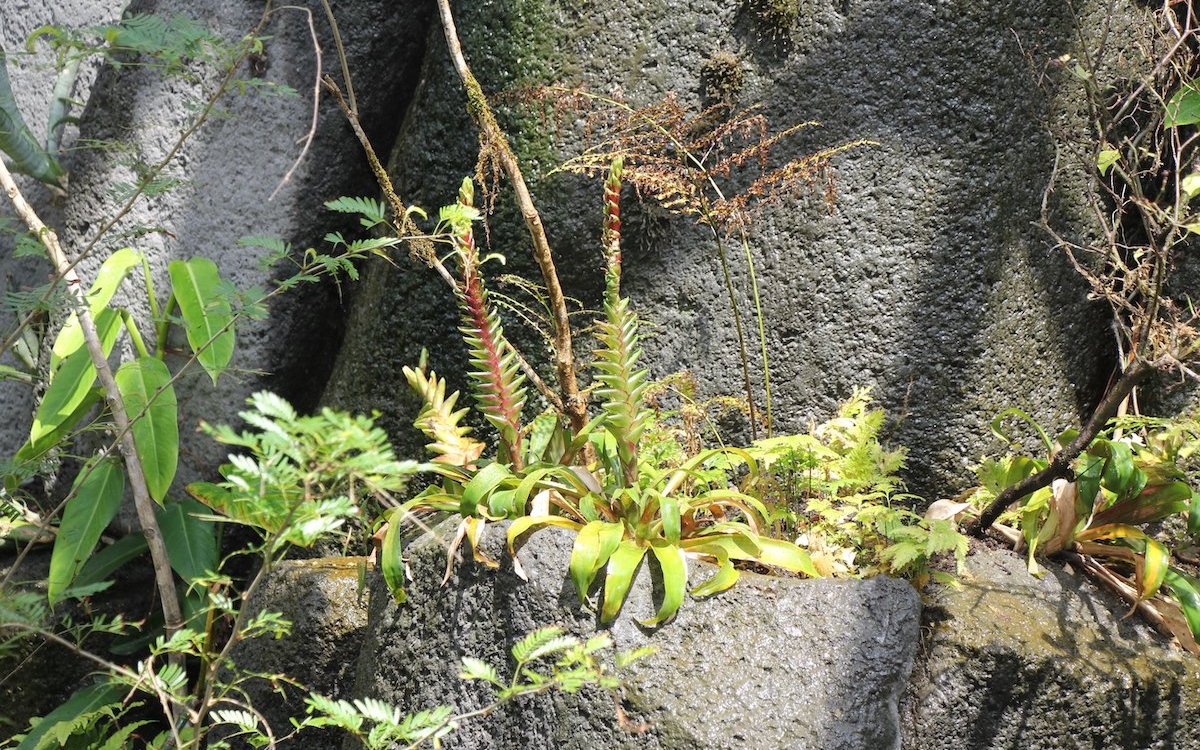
(928, 281)
(228, 172)
(1012, 661)
(328, 612)
(770, 663)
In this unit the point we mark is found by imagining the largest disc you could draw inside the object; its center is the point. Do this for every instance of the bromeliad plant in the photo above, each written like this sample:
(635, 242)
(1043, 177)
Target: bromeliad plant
(597, 481)
(1120, 485)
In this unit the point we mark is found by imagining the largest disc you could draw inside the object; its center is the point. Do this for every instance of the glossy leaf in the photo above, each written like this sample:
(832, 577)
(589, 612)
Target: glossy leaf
(391, 560)
(594, 545)
(108, 279)
(207, 314)
(72, 383)
(618, 577)
(674, 579)
(1152, 570)
(145, 386)
(526, 524)
(726, 576)
(1186, 591)
(191, 542)
(97, 497)
(485, 481)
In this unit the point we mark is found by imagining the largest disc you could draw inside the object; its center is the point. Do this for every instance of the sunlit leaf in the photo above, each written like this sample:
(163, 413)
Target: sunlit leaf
(145, 386)
(108, 279)
(594, 545)
(1184, 107)
(618, 577)
(674, 580)
(206, 311)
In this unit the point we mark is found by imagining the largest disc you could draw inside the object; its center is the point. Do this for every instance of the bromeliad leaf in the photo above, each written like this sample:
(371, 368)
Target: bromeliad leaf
(619, 577)
(674, 578)
(207, 315)
(594, 545)
(145, 386)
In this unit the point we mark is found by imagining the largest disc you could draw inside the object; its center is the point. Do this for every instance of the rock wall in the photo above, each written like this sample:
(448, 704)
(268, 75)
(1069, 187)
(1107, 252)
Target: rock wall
(928, 280)
(227, 173)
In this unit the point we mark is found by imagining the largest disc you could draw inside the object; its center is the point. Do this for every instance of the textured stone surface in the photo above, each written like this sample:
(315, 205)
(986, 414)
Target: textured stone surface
(1013, 661)
(769, 663)
(228, 172)
(929, 280)
(328, 612)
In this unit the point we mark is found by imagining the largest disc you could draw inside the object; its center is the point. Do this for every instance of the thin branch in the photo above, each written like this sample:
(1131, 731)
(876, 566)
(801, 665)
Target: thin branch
(316, 106)
(477, 105)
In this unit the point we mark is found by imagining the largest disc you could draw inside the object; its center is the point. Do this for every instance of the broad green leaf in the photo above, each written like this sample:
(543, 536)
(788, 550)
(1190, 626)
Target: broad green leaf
(1184, 106)
(1106, 158)
(485, 481)
(618, 577)
(1087, 481)
(31, 450)
(97, 496)
(528, 523)
(674, 578)
(668, 510)
(207, 314)
(191, 542)
(1186, 591)
(106, 562)
(108, 279)
(726, 576)
(71, 384)
(391, 561)
(145, 386)
(787, 556)
(82, 702)
(594, 545)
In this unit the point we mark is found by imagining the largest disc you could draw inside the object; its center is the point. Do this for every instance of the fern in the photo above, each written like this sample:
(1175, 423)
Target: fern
(370, 211)
(499, 388)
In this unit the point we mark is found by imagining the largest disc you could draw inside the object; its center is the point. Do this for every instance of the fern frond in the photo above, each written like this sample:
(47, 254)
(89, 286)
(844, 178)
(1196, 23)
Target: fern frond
(499, 384)
(440, 422)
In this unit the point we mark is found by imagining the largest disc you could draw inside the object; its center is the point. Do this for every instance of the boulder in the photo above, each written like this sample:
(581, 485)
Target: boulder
(1013, 661)
(327, 608)
(772, 662)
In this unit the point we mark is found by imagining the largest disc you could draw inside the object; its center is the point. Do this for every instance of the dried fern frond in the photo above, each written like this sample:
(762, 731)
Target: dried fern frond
(440, 422)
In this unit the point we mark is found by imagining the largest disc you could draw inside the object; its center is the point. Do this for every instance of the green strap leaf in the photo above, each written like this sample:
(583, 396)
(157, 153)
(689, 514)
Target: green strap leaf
(108, 279)
(145, 386)
(998, 427)
(668, 510)
(71, 384)
(191, 542)
(18, 141)
(207, 314)
(674, 577)
(619, 577)
(594, 545)
(485, 481)
(726, 576)
(1186, 591)
(529, 523)
(97, 496)
(391, 561)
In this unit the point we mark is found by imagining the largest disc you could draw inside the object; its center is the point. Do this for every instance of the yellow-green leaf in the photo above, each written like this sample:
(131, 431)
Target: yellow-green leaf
(72, 382)
(674, 578)
(618, 577)
(145, 386)
(528, 523)
(726, 576)
(96, 497)
(594, 545)
(1153, 570)
(207, 314)
(1184, 106)
(112, 272)
(1106, 158)
(391, 563)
